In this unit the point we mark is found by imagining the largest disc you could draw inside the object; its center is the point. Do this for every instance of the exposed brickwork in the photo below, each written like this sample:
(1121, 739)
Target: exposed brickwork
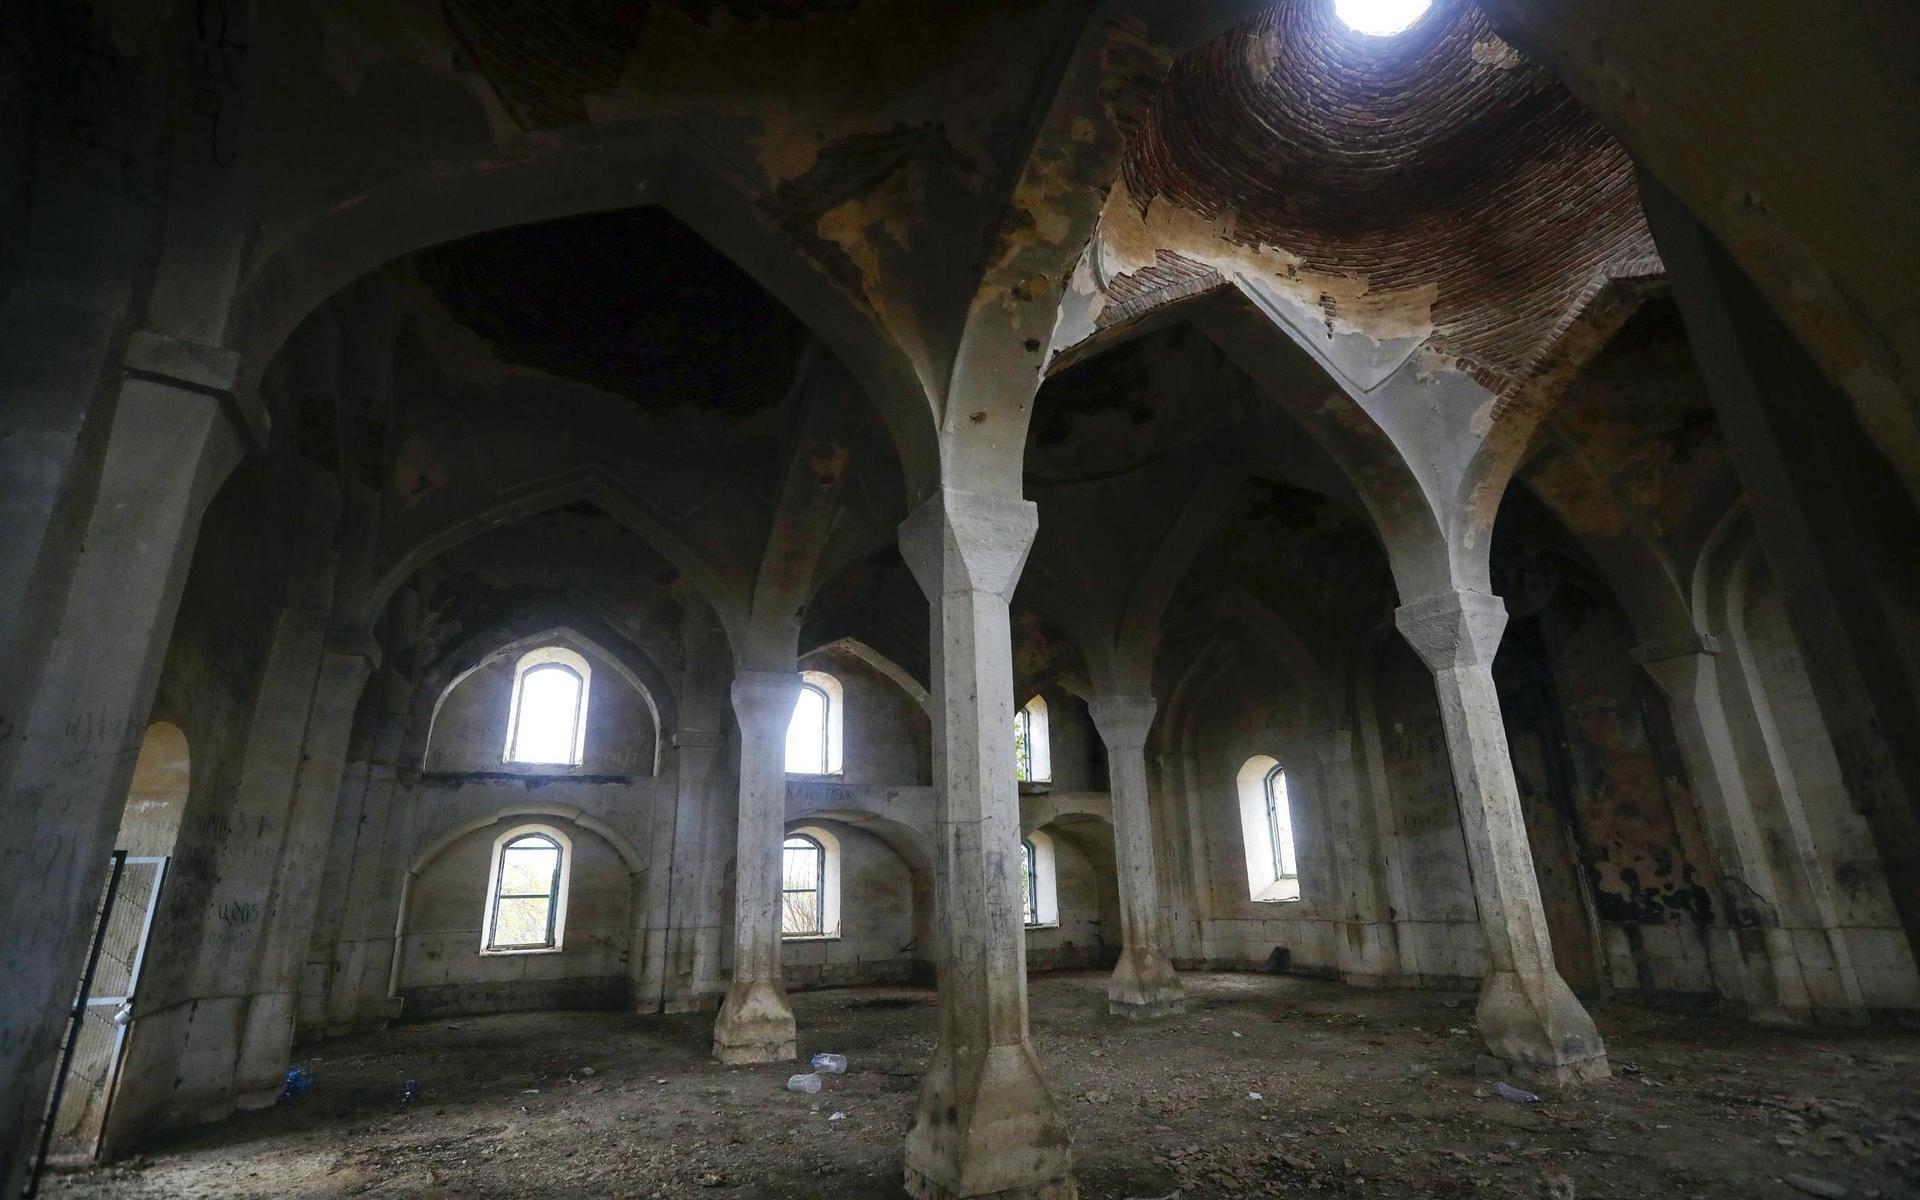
(1171, 277)
(1437, 161)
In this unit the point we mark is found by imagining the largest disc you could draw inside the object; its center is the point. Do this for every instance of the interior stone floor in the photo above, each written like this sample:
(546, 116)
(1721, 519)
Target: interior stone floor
(1359, 1094)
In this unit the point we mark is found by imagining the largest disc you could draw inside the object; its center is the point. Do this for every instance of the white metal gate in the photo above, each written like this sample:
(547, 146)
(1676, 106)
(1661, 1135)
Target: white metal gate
(100, 1035)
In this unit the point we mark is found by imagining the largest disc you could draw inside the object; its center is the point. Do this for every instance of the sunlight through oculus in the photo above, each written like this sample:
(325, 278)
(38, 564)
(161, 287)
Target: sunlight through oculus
(1380, 18)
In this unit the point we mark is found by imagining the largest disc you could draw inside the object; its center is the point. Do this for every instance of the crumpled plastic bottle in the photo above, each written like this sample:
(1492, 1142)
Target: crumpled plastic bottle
(299, 1079)
(808, 1083)
(830, 1064)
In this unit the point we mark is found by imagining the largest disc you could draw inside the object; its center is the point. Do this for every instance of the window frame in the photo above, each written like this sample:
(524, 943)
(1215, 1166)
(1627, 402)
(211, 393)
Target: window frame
(826, 884)
(832, 724)
(1043, 881)
(1279, 832)
(541, 659)
(1032, 871)
(556, 909)
(1033, 742)
(1268, 840)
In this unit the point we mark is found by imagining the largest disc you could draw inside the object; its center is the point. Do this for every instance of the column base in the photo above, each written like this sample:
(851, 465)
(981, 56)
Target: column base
(1537, 1025)
(755, 1025)
(988, 1129)
(1144, 985)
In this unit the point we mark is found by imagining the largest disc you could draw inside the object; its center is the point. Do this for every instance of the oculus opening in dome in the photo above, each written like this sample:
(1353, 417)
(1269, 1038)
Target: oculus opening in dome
(1380, 18)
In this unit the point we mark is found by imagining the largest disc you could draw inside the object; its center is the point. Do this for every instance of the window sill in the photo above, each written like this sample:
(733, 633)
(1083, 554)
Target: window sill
(1276, 900)
(492, 953)
(806, 777)
(1044, 925)
(809, 937)
(1035, 787)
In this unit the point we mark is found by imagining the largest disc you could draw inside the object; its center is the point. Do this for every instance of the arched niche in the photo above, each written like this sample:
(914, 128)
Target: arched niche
(473, 714)
(157, 798)
(439, 965)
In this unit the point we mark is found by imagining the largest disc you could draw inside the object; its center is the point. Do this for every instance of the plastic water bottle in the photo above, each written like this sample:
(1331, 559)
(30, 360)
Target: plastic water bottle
(410, 1091)
(299, 1079)
(831, 1064)
(808, 1083)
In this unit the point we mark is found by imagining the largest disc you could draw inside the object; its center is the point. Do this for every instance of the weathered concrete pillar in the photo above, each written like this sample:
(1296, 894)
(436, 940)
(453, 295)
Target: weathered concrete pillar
(1526, 1013)
(174, 439)
(371, 851)
(1144, 983)
(1837, 527)
(268, 1039)
(683, 922)
(756, 1023)
(1367, 949)
(986, 1123)
(1754, 961)
(1182, 885)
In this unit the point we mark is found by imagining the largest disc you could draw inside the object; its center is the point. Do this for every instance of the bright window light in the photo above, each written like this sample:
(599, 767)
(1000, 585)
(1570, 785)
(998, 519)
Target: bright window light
(549, 716)
(807, 733)
(1380, 18)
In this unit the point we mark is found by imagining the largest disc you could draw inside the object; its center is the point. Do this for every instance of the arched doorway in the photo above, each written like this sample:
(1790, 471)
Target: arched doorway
(103, 1015)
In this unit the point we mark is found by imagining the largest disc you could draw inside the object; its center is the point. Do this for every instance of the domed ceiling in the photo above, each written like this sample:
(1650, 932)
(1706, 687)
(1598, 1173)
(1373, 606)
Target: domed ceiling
(633, 302)
(1435, 168)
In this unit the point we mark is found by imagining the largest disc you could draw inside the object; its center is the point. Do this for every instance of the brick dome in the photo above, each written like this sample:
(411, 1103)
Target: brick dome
(1435, 167)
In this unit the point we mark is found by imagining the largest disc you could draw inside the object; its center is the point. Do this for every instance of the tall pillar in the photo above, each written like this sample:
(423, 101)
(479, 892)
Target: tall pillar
(683, 915)
(1144, 983)
(1367, 946)
(756, 1022)
(1837, 527)
(295, 900)
(986, 1123)
(174, 439)
(1526, 1013)
(1754, 961)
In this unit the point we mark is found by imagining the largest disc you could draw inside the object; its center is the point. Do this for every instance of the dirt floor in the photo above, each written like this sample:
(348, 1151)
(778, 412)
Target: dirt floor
(1360, 1094)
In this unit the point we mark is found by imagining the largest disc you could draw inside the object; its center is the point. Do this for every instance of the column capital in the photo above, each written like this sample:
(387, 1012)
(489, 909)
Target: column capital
(1123, 721)
(764, 700)
(1680, 647)
(968, 542)
(188, 366)
(1678, 667)
(1453, 629)
(354, 643)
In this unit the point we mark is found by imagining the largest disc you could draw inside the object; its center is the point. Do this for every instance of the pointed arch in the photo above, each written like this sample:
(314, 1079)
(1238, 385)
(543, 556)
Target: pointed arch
(571, 173)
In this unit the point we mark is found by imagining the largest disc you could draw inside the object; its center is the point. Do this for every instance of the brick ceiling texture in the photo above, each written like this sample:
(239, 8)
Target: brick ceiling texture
(1433, 163)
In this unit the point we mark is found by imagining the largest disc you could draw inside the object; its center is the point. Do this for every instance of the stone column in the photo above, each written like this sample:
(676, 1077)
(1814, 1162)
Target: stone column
(756, 1023)
(986, 1123)
(174, 439)
(1182, 887)
(1144, 983)
(268, 1038)
(1836, 525)
(1367, 952)
(1759, 972)
(687, 924)
(1526, 1013)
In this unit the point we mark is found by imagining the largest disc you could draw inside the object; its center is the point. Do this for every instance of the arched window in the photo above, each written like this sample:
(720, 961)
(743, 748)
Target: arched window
(1039, 881)
(1032, 743)
(1266, 823)
(813, 735)
(547, 722)
(1031, 878)
(810, 884)
(527, 895)
(803, 873)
